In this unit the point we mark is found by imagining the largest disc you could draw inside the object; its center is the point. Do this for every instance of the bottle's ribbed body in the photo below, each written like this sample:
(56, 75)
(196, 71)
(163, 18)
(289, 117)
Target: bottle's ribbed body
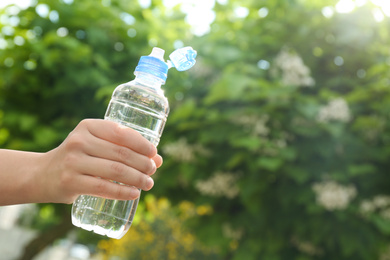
(145, 109)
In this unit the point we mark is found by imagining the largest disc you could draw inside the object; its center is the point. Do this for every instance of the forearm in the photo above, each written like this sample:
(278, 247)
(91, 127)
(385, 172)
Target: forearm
(18, 176)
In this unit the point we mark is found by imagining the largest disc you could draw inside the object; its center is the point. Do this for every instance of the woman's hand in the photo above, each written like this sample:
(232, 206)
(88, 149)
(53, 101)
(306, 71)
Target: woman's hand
(96, 153)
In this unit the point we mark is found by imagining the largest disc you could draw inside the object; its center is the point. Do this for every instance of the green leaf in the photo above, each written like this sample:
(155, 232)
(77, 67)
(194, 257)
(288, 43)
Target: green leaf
(251, 143)
(361, 169)
(382, 224)
(269, 163)
(231, 87)
(299, 175)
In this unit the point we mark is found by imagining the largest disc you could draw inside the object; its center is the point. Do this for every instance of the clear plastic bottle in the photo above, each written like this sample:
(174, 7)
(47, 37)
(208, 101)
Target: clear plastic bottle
(141, 105)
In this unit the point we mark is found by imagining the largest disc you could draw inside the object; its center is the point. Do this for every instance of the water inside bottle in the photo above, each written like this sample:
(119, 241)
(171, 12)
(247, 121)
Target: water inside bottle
(144, 110)
(105, 217)
(147, 123)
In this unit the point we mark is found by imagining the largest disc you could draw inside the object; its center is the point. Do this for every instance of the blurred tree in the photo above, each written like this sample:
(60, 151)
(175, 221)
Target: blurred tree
(286, 132)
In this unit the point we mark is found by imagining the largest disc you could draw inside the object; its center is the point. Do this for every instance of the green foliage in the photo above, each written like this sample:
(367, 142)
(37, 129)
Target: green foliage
(56, 62)
(282, 127)
(296, 146)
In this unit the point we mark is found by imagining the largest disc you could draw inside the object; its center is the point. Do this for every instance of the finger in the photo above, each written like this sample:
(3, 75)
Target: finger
(115, 171)
(121, 135)
(107, 189)
(158, 160)
(103, 149)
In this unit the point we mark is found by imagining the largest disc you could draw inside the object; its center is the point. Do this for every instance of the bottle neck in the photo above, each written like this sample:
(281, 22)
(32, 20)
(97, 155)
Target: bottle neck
(149, 80)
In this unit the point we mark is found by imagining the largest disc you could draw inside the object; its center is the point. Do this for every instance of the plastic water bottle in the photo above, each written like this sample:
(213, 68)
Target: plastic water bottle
(141, 105)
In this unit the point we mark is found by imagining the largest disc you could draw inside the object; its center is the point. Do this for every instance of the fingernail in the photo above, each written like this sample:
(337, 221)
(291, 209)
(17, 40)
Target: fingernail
(135, 193)
(153, 150)
(154, 167)
(149, 183)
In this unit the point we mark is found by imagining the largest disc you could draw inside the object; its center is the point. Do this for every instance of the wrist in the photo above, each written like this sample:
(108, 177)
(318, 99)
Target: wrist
(19, 173)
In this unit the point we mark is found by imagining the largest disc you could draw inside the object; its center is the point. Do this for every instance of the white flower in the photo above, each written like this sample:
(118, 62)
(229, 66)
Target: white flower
(306, 247)
(221, 184)
(229, 232)
(333, 196)
(385, 214)
(367, 207)
(292, 69)
(337, 110)
(379, 204)
(181, 150)
(381, 201)
(256, 124)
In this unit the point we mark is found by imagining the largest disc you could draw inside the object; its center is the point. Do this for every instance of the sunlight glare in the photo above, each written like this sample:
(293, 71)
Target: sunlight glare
(378, 14)
(345, 6)
(23, 4)
(241, 12)
(384, 5)
(327, 11)
(360, 2)
(200, 13)
(263, 12)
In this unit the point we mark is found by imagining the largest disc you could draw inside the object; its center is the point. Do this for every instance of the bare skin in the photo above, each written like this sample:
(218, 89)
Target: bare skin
(94, 153)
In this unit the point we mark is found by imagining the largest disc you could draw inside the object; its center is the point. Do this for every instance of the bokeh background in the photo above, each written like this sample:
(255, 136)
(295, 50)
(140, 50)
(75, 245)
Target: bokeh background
(278, 142)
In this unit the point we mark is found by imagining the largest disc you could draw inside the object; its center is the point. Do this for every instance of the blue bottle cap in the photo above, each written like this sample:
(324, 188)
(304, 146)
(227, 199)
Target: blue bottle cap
(183, 59)
(153, 64)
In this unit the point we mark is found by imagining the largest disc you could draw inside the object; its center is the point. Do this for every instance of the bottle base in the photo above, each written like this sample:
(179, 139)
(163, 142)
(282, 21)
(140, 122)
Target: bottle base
(101, 223)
